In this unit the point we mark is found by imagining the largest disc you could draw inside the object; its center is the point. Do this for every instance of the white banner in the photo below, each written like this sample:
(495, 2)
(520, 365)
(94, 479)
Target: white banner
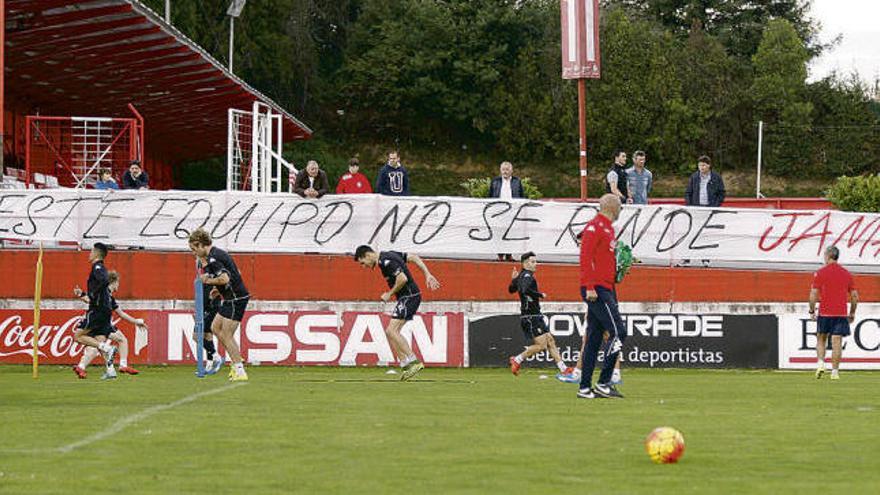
(438, 226)
(861, 350)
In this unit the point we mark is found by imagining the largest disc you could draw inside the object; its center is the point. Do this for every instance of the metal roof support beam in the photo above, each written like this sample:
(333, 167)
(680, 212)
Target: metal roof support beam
(91, 14)
(70, 34)
(110, 48)
(32, 6)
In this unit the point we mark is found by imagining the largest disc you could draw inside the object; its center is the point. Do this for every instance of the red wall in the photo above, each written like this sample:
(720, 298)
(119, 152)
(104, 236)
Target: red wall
(158, 275)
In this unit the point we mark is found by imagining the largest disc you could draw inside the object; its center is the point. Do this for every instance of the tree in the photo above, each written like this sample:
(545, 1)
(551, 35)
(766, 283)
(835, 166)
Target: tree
(425, 70)
(738, 24)
(846, 132)
(712, 90)
(637, 103)
(779, 95)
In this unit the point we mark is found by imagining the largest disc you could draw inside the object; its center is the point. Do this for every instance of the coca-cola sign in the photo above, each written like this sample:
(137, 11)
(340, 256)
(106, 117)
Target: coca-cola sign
(56, 344)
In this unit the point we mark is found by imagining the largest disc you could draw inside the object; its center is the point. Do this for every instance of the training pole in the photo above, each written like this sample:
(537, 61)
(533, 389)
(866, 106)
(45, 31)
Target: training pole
(582, 118)
(38, 288)
(200, 322)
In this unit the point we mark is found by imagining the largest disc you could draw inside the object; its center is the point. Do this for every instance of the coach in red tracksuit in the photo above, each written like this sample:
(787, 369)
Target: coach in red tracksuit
(598, 269)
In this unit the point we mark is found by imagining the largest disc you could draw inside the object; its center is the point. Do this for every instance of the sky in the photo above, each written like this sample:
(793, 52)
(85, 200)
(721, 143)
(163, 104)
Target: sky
(859, 50)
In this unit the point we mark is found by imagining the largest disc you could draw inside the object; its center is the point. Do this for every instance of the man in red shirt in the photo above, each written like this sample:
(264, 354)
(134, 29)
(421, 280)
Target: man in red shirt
(598, 271)
(831, 285)
(354, 182)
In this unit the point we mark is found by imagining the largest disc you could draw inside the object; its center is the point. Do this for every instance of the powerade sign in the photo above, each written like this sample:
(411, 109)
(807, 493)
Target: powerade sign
(654, 340)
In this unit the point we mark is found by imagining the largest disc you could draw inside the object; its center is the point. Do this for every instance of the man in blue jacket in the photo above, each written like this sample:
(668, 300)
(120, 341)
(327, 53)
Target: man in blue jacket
(706, 188)
(393, 179)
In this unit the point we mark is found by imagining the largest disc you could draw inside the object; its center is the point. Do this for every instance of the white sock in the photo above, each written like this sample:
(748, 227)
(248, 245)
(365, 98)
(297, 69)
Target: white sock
(561, 366)
(407, 360)
(82, 361)
(519, 359)
(123, 362)
(105, 347)
(577, 372)
(820, 363)
(616, 373)
(239, 368)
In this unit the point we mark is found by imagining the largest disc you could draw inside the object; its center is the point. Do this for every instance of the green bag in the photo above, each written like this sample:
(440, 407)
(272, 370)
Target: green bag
(624, 256)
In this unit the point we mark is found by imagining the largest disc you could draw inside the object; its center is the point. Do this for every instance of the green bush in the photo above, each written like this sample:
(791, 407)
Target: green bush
(860, 193)
(479, 188)
(531, 190)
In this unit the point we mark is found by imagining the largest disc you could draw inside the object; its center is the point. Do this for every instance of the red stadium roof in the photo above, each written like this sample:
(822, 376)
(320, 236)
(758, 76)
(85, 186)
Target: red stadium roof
(93, 57)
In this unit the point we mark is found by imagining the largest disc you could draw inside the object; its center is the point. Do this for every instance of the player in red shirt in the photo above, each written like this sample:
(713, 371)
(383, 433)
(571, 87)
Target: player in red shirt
(354, 182)
(598, 272)
(831, 285)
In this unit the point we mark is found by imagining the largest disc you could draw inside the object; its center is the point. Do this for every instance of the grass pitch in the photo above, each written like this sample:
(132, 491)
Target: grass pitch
(325, 430)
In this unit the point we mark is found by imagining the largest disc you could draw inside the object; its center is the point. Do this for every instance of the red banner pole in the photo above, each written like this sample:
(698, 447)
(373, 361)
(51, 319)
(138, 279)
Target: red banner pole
(2, 81)
(582, 118)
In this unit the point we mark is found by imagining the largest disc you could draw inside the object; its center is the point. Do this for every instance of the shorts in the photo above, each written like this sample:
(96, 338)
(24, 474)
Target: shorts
(233, 309)
(98, 324)
(406, 306)
(533, 326)
(835, 325)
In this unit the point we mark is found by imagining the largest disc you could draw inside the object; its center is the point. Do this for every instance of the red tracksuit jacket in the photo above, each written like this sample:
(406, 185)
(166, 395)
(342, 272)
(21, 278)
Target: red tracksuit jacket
(353, 184)
(598, 262)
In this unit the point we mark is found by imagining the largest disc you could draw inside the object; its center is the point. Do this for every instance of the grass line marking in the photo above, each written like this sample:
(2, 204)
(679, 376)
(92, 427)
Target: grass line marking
(122, 423)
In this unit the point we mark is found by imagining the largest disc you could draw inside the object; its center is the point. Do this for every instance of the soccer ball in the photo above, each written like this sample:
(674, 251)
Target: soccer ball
(665, 445)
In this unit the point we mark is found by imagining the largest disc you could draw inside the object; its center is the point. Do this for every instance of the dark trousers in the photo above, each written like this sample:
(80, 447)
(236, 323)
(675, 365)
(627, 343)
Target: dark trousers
(602, 316)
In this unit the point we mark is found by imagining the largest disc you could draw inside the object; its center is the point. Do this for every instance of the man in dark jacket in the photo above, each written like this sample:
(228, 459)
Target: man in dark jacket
(706, 188)
(135, 178)
(616, 181)
(392, 179)
(311, 182)
(506, 186)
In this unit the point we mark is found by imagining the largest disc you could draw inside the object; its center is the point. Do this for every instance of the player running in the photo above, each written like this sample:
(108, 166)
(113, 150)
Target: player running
(403, 286)
(96, 322)
(532, 320)
(831, 285)
(91, 353)
(222, 274)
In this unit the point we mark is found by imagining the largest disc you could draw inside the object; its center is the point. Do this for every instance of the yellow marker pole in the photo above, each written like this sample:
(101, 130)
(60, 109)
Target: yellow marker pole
(38, 288)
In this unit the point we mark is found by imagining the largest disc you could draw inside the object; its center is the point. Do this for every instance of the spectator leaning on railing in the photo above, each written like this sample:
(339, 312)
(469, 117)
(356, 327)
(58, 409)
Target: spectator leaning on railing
(311, 182)
(353, 182)
(393, 179)
(135, 178)
(615, 179)
(105, 180)
(705, 188)
(640, 180)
